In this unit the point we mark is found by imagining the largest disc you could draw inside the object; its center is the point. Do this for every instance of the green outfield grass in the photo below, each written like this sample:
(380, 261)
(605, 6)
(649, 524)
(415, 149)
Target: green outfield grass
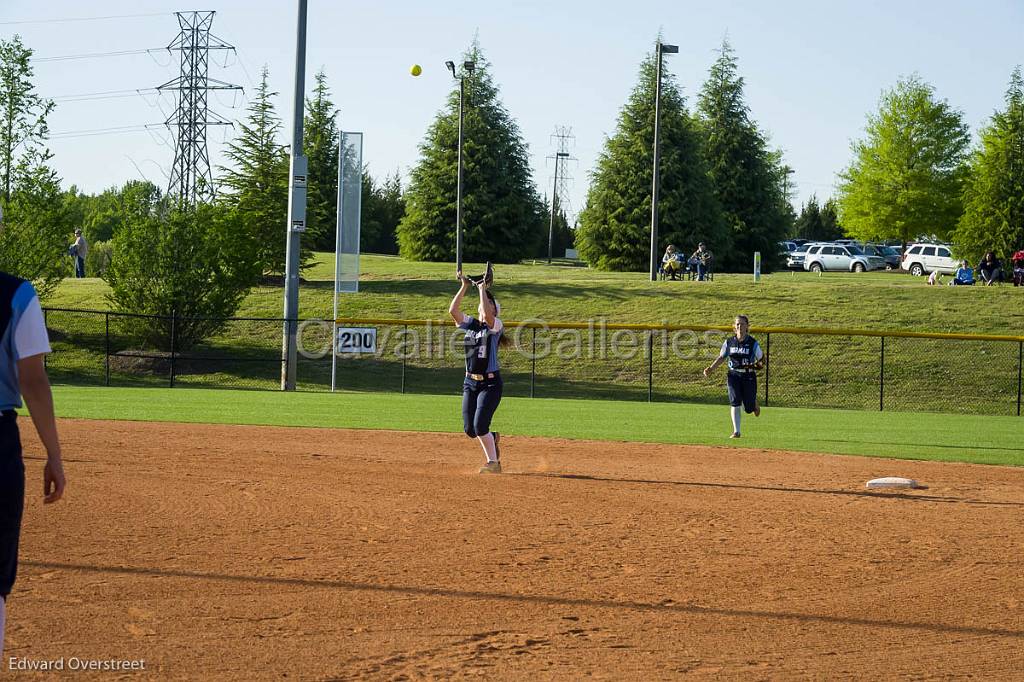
(955, 438)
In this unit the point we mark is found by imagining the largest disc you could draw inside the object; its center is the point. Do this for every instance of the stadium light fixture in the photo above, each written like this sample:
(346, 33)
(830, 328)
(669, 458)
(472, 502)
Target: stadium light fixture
(660, 50)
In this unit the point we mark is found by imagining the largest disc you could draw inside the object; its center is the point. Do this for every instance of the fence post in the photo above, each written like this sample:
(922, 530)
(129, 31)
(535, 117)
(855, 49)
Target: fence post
(650, 366)
(174, 319)
(405, 354)
(106, 349)
(881, 379)
(46, 323)
(1020, 365)
(767, 365)
(533, 368)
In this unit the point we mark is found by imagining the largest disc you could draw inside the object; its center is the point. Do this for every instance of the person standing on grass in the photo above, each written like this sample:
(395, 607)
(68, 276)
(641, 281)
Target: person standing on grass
(745, 357)
(80, 249)
(482, 387)
(23, 343)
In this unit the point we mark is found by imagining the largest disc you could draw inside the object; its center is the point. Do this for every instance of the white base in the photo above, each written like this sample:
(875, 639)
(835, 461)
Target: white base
(892, 482)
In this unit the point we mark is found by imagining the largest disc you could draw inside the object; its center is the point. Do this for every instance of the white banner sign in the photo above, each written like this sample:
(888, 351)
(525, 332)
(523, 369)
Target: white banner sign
(356, 340)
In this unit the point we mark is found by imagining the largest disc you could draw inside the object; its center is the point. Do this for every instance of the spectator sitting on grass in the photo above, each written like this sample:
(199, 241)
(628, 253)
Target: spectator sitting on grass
(990, 270)
(964, 275)
(672, 262)
(702, 258)
(1018, 268)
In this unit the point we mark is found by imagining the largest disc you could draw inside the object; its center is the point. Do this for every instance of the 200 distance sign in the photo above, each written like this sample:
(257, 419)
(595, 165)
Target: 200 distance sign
(356, 340)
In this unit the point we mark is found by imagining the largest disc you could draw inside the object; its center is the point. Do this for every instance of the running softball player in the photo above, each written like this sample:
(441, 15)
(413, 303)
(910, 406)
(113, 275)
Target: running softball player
(482, 387)
(23, 342)
(744, 356)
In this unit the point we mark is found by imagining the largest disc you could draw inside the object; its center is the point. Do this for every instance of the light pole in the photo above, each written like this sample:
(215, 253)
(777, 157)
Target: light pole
(660, 49)
(467, 67)
(296, 213)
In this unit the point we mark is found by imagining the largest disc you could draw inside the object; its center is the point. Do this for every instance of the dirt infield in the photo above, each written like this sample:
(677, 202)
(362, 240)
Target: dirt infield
(229, 552)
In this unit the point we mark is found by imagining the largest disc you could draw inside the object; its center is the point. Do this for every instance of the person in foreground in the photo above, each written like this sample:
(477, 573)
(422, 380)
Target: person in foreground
(23, 343)
(482, 387)
(745, 357)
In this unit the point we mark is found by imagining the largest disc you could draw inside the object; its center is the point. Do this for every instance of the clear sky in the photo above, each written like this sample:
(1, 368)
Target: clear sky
(813, 70)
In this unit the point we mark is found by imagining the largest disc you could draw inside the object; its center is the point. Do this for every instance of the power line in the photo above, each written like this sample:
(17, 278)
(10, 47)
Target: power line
(95, 55)
(100, 131)
(67, 20)
(108, 94)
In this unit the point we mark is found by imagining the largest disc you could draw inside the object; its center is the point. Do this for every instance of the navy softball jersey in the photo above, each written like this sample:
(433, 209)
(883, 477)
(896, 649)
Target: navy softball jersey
(481, 345)
(742, 377)
(22, 335)
(483, 386)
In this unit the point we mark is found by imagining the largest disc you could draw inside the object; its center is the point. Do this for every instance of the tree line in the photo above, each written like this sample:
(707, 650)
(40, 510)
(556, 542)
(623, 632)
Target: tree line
(914, 173)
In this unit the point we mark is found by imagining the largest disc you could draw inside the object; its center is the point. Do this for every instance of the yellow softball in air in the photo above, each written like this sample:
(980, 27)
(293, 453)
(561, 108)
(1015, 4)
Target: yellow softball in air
(416, 70)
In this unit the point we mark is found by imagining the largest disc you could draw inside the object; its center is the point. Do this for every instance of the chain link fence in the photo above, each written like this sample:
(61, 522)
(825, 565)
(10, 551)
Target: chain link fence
(804, 368)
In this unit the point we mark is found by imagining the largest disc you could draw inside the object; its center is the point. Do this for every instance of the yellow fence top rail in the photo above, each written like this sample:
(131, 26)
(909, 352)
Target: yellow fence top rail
(597, 325)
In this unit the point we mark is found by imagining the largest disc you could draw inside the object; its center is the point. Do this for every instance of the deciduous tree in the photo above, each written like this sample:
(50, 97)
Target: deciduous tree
(906, 178)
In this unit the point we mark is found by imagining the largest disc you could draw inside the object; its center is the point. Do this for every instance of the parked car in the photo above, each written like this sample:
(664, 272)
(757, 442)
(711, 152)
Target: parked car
(787, 247)
(838, 257)
(890, 255)
(921, 259)
(795, 259)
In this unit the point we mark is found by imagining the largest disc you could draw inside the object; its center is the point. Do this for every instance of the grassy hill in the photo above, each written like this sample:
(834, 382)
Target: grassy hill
(394, 288)
(804, 371)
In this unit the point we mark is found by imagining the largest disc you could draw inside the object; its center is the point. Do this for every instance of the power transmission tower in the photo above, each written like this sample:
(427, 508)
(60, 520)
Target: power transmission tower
(191, 180)
(564, 135)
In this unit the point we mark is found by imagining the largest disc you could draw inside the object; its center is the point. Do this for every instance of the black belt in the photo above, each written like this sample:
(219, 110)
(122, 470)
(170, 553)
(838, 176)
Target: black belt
(742, 372)
(481, 377)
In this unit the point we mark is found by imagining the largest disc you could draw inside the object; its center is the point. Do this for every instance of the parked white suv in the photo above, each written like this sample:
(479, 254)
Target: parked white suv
(840, 257)
(920, 259)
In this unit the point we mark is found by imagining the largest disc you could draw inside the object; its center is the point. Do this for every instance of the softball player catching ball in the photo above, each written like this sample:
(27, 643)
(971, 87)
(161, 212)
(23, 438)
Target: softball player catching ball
(23, 343)
(745, 357)
(481, 390)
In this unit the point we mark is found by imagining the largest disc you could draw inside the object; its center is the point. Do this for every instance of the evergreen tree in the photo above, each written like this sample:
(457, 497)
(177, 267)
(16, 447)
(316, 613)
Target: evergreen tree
(320, 144)
(808, 223)
(818, 223)
(256, 187)
(615, 225)
(830, 227)
(994, 195)
(748, 177)
(503, 217)
(383, 208)
(906, 178)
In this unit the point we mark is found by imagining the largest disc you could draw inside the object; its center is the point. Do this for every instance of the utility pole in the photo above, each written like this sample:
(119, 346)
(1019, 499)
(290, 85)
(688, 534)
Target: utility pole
(565, 136)
(191, 180)
(296, 213)
(468, 67)
(660, 49)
